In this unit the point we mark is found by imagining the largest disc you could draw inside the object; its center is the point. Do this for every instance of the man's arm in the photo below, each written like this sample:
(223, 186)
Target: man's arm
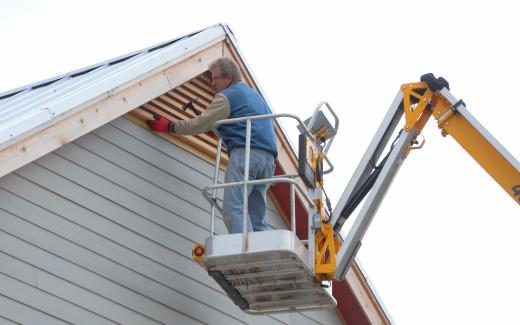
(217, 110)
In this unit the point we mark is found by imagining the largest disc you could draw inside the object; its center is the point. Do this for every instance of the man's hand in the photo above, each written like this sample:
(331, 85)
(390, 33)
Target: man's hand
(160, 124)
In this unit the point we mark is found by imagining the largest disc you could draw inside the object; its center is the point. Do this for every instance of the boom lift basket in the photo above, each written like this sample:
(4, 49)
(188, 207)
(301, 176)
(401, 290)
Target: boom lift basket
(267, 271)
(272, 276)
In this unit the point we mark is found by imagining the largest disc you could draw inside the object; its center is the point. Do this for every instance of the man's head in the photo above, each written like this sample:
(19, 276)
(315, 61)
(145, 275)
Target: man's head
(224, 72)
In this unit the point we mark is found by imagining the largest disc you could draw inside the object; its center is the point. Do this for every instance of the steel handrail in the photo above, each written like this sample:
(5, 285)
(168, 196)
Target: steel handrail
(273, 180)
(212, 198)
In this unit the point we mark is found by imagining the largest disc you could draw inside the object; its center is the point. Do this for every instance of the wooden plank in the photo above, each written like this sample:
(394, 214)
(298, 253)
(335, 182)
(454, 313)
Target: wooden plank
(182, 94)
(172, 104)
(159, 107)
(169, 103)
(176, 97)
(202, 99)
(204, 83)
(176, 100)
(205, 96)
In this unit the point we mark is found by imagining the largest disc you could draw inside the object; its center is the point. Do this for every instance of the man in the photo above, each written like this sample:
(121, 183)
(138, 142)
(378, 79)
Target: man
(235, 99)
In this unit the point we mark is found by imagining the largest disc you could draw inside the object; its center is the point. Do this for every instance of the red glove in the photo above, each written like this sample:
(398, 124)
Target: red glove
(160, 124)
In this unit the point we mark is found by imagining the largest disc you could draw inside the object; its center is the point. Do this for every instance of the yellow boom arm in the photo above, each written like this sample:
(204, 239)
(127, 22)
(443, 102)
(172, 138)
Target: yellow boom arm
(455, 120)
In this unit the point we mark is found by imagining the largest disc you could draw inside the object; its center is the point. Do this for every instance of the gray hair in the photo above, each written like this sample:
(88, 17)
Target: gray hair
(227, 67)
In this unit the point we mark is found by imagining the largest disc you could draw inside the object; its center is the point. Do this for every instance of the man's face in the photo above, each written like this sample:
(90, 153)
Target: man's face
(219, 81)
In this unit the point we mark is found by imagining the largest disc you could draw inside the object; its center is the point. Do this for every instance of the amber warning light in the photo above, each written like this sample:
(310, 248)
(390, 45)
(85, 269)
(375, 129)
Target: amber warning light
(197, 252)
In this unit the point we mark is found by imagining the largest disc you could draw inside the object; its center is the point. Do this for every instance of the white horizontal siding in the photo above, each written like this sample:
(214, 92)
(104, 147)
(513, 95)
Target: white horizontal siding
(14, 312)
(100, 232)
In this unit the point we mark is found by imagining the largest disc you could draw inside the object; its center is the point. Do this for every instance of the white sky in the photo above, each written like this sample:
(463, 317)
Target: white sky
(443, 247)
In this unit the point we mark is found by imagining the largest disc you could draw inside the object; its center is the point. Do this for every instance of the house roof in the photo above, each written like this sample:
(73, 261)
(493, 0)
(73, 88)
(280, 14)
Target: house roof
(27, 107)
(39, 118)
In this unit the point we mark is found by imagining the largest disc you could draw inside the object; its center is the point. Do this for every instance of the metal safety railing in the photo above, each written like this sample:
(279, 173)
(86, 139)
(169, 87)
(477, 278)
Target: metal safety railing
(210, 192)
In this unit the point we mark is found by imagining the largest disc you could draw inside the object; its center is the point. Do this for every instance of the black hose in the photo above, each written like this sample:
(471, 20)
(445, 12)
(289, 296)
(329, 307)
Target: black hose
(363, 190)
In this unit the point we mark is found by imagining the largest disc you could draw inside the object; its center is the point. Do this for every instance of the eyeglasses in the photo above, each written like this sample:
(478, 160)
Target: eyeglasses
(213, 78)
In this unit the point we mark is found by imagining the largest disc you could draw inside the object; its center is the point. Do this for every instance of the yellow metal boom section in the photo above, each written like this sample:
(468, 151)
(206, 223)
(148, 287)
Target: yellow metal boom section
(483, 148)
(420, 102)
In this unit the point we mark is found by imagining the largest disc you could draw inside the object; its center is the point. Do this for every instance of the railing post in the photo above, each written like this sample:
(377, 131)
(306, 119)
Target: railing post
(310, 237)
(245, 247)
(293, 210)
(214, 191)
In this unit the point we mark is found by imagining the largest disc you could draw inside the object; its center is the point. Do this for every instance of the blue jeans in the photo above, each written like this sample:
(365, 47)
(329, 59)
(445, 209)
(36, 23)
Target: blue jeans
(261, 166)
